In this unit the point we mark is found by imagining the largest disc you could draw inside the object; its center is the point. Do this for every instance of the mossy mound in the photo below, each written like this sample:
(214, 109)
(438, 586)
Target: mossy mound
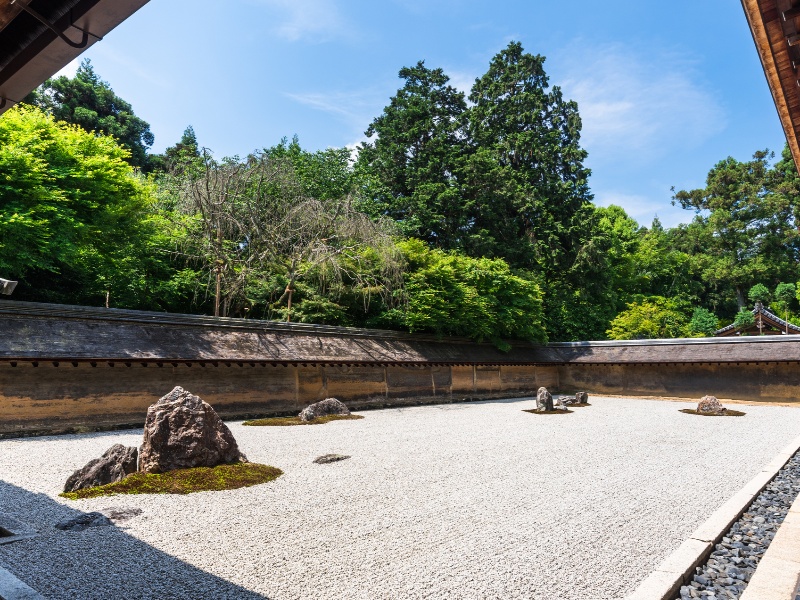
(578, 405)
(289, 421)
(558, 411)
(727, 413)
(184, 481)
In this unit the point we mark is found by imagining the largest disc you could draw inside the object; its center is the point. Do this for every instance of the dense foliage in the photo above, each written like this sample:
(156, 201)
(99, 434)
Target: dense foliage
(463, 214)
(88, 101)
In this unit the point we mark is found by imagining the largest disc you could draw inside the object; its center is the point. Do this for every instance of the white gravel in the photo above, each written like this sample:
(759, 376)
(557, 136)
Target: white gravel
(475, 500)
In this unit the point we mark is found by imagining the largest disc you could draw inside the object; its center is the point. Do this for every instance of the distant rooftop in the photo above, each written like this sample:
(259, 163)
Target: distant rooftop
(764, 323)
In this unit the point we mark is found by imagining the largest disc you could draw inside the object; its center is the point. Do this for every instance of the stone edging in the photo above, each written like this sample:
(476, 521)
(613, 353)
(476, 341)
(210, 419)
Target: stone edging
(778, 571)
(665, 582)
(12, 588)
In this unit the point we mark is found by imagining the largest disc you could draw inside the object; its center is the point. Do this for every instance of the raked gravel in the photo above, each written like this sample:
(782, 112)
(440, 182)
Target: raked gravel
(473, 500)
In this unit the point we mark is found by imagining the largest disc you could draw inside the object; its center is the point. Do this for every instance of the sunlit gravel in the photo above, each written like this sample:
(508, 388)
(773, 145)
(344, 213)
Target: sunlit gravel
(474, 500)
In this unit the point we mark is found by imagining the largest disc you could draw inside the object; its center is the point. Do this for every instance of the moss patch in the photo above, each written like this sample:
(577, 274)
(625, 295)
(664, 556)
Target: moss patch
(289, 421)
(727, 413)
(184, 481)
(578, 405)
(548, 412)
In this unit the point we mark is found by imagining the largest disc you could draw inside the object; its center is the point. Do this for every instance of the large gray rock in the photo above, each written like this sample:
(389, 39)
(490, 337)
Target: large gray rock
(116, 463)
(182, 431)
(329, 406)
(544, 400)
(709, 405)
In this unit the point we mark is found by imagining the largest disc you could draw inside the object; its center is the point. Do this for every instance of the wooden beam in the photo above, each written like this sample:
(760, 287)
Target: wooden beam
(766, 26)
(791, 13)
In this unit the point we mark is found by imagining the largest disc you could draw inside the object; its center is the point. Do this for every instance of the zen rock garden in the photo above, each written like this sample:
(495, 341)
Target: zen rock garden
(182, 432)
(547, 405)
(376, 487)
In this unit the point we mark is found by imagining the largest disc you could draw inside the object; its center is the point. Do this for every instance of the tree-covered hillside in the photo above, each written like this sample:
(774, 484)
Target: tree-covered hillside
(462, 214)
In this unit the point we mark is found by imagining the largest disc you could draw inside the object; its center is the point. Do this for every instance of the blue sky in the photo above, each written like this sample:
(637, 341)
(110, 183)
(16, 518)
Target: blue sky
(665, 89)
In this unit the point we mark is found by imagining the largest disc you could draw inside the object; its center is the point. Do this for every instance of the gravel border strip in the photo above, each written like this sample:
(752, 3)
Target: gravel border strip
(778, 573)
(12, 588)
(665, 582)
(738, 557)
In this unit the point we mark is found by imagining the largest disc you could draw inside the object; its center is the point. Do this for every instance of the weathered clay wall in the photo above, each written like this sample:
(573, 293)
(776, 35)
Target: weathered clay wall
(771, 382)
(73, 368)
(47, 398)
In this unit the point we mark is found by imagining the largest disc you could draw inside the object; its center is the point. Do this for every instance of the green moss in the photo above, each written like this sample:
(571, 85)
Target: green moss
(727, 413)
(548, 412)
(289, 421)
(184, 481)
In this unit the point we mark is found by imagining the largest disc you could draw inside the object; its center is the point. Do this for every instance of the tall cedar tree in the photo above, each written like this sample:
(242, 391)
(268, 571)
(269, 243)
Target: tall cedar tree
(502, 178)
(415, 159)
(88, 101)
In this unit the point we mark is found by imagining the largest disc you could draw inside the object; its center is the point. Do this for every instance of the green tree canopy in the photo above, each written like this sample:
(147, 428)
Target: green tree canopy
(758, 293)
(451, 294)
(703, 322)
(746, 228)
(651, 318)
(74, 221)
(88, 101)
(744, 319)
(412, 165)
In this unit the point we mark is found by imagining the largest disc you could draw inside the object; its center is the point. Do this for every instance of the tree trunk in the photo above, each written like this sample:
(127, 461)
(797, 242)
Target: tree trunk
(740, 298)
(216, 295)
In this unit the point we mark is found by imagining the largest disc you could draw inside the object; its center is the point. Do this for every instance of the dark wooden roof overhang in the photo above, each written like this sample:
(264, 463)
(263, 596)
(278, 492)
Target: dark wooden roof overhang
(40, 37)
(775, 25)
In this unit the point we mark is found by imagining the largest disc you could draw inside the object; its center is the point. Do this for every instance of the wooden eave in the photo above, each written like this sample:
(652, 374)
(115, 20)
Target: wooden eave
(32, 51)
(774, 26)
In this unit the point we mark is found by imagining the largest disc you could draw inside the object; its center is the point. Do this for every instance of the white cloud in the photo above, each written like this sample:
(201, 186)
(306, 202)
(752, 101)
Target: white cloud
(70, 68)
(310, 20)
(638, 106)
(645, 208)
(355, 108)
(461, 80)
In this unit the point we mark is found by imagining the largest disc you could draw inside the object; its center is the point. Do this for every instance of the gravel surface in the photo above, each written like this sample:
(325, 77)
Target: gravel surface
(474, 500)
(735, 558)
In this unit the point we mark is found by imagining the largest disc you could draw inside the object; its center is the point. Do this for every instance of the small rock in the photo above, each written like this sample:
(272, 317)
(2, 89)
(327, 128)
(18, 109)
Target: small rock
(581, 397)
(709, 405)
(330, 458)
(114, 465)
(84, 521)
(329, 406)
(121, 514)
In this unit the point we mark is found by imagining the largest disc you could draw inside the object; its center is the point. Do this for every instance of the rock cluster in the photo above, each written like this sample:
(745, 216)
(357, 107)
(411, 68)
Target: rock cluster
(580, 398)
(329, 406)
(114, 465)
(544, 400)
(734, 560)
(182, 431)
(709, 405)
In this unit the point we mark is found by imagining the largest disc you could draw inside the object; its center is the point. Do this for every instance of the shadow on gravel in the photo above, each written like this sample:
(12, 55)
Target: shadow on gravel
(99, 562)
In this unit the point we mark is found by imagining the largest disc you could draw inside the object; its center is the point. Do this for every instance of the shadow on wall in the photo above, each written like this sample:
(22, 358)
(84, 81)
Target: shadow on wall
(99, 562)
